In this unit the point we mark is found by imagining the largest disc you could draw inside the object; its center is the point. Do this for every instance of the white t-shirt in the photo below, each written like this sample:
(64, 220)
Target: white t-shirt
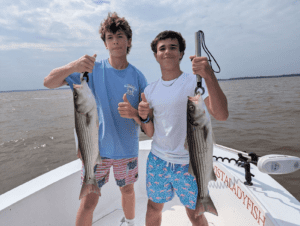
(169, 102)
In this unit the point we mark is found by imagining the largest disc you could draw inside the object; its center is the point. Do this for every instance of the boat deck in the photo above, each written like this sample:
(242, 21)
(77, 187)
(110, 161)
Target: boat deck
(52, 198)
(173, 214)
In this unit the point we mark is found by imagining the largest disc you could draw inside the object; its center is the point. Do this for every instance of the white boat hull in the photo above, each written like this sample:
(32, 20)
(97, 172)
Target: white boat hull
(53, 198)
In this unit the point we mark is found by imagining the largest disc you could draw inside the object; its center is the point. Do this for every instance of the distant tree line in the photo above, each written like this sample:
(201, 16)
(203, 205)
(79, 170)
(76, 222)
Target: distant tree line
(256, 77)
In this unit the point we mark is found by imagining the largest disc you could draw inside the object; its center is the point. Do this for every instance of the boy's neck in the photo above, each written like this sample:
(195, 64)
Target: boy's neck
(168, 75)
(119, 63)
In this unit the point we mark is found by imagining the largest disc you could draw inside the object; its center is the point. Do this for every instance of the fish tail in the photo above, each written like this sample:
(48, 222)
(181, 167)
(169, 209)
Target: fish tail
(209, 206)
(87, 188)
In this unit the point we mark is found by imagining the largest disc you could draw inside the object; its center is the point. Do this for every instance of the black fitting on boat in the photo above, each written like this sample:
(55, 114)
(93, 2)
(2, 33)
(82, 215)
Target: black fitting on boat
(245, 163)
(254, 158)
(248, 174)
(229, 160)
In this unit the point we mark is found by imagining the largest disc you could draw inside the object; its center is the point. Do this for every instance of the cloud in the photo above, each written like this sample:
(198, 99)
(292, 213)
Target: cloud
(40, 46)
(61, 21)
(246, 37)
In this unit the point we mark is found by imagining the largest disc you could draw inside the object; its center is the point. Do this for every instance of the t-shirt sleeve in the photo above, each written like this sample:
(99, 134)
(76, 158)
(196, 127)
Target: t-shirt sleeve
(73, 79)
(147, 95)
(143, 84)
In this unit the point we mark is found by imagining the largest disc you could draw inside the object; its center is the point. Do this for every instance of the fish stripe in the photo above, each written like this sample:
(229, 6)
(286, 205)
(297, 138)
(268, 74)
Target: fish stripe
(86, 133)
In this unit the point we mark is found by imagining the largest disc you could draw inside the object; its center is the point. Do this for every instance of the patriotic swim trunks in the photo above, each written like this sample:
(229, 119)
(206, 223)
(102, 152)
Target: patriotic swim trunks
(163, 178)
(125, 171)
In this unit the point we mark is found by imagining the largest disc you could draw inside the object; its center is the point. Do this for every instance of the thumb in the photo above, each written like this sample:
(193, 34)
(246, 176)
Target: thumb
(192, 57)
(95, 55)
(144, 97)
(125, 98)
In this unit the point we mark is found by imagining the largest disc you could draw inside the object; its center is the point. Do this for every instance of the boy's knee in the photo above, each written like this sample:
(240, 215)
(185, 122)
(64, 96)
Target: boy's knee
(127, 190)
(196, 219)
(155, 207)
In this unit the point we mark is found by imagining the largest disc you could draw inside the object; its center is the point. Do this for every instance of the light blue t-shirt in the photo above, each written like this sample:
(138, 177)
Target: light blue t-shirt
(118, 137)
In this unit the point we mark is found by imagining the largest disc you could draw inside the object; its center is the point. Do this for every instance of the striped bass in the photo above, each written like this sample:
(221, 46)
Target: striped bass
(87, 126)
(200, 144)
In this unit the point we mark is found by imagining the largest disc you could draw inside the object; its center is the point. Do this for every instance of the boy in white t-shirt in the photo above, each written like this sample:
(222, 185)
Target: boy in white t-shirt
(163, 110)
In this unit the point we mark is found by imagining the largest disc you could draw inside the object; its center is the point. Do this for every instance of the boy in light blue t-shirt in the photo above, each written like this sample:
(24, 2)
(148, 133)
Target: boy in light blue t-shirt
(117, 86)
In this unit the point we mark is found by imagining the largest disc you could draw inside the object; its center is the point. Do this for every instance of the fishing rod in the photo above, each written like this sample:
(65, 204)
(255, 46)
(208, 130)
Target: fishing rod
(200, 41)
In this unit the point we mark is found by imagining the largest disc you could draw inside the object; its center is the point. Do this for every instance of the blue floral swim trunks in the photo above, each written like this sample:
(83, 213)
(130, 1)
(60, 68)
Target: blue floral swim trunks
(163, 178)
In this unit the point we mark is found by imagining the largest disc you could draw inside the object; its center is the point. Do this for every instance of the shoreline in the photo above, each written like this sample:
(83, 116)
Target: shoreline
(221, 79)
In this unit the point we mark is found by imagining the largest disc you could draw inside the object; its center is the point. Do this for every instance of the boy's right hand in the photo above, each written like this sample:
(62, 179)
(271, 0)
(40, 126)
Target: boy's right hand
(144, 107)
(84, 63)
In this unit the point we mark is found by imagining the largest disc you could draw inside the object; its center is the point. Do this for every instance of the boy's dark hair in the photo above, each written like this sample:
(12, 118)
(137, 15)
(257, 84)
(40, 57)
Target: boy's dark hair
(114, 23)
(168, 34)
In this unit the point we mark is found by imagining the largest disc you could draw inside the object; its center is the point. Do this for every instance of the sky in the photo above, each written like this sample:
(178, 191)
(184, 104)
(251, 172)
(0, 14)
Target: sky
(246, 37)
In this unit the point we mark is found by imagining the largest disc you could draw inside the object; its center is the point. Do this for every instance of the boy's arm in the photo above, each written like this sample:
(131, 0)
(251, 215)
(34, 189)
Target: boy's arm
(57, 76)
(216, 102)
(145, 113)
(127, 111)
(148, 128)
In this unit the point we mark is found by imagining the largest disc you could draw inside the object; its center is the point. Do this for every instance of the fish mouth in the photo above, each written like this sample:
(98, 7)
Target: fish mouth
(191, 120)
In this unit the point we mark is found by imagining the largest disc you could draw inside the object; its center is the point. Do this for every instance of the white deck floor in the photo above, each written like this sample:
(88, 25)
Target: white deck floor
(52, 199)
(174, 214)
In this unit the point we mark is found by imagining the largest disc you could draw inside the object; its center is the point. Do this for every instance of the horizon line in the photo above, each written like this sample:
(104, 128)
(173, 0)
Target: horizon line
(220, 79)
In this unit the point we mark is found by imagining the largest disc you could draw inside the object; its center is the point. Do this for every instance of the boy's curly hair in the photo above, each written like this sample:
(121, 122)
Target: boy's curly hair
(114, 23)
(169, 34)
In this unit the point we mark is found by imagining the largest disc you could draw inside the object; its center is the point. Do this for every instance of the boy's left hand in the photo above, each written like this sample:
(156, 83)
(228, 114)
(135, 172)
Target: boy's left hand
(201, 67)
(125, 109)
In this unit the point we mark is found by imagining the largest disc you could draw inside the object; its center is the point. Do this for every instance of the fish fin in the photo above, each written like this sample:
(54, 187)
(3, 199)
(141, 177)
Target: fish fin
(98, 160)
(199, 208)
(205, 205)
(76, 140)
(186, 145)
(209, 206)
(213, 175)
(89, 188)
(190, 170)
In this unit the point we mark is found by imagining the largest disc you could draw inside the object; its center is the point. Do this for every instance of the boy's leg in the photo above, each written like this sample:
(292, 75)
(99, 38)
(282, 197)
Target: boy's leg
(85, 212)
(154, 213)
(128, 201)
(126, 174)
(89, 202)
(187, 190)
(196, 219)
(159, 188)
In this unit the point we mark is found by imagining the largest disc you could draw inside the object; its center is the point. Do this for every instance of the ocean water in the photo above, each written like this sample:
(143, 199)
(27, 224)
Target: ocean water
(36, 127)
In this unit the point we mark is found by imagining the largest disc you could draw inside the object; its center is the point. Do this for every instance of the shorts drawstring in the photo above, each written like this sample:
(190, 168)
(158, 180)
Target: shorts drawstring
(172, 165)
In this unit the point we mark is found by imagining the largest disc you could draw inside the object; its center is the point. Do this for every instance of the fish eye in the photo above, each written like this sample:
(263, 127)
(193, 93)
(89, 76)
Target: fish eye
(75, 95)
(191, 108)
